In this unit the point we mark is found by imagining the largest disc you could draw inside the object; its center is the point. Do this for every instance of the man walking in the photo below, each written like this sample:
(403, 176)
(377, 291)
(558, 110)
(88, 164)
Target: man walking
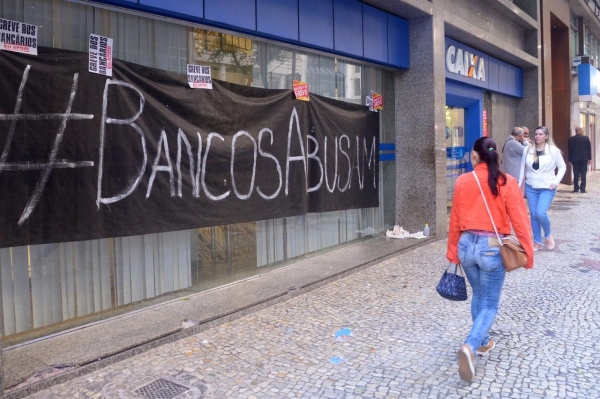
(513, 152)
(580, 156)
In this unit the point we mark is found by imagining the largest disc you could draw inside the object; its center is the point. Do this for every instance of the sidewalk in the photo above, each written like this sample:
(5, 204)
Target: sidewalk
(396, 338)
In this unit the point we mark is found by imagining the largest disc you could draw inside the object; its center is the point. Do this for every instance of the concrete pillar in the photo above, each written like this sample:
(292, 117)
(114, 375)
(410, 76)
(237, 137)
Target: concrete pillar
(420, 128)
(529, 109)
(388, 135)
(503, 114)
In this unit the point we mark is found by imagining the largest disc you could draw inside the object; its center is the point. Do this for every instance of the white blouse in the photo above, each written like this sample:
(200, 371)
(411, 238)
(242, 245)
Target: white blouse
(544, 176)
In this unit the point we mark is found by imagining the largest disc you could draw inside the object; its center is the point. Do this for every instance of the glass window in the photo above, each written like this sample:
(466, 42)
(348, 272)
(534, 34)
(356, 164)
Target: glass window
(574, 22)
(357, 86)
(456, 156)
(52, 286)
(574, 36)
(587, 36)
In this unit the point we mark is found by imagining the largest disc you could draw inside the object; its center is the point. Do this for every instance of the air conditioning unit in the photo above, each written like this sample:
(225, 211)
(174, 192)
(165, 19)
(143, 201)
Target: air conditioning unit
(580, 59)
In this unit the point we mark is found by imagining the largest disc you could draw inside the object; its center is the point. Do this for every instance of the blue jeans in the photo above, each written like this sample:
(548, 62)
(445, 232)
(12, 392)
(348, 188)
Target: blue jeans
(539, 200)
(485, 272)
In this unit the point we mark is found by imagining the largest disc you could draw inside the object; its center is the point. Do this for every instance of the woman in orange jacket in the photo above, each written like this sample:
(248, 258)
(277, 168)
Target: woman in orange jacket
(473, 243)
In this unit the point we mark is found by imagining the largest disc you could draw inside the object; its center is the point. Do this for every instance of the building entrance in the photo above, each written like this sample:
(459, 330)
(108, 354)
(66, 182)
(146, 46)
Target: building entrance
(588, 122)
(457, 157)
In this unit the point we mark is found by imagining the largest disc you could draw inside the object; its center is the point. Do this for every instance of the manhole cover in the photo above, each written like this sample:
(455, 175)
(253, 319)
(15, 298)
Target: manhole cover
(161, 389)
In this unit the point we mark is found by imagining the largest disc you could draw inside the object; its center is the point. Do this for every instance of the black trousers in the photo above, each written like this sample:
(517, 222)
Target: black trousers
(579, 170)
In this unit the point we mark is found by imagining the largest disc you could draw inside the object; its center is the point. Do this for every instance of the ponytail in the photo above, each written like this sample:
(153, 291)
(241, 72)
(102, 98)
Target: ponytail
(487, 150)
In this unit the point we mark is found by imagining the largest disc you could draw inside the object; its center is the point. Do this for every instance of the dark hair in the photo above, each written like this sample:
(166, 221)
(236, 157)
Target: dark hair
(487, 150)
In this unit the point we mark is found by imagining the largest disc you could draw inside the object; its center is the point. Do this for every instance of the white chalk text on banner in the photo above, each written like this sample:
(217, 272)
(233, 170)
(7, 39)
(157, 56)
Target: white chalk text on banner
(90, 157)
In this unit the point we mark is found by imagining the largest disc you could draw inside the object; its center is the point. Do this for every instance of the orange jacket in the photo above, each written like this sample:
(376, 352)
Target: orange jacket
(469, 213)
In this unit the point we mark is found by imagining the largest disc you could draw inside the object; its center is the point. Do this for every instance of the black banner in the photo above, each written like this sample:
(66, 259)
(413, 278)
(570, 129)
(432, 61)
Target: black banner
(85, 156)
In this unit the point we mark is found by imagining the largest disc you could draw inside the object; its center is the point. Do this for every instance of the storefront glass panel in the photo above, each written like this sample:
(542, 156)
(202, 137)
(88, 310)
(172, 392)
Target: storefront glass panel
(456, 154)
(51, 287)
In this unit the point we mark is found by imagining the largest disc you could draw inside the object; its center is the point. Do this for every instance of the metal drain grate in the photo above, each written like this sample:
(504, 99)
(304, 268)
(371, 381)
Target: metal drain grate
(161, 389)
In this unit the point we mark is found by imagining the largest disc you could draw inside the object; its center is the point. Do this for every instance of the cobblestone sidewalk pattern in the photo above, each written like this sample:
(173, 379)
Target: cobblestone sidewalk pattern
(403, 335)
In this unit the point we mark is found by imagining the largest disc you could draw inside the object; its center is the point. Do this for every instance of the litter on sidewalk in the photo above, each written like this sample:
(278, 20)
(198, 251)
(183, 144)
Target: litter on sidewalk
(336, 360)
(343, 333)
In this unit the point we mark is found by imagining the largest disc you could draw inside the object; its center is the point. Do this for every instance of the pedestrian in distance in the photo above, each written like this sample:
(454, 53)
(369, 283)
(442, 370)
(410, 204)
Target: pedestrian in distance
(473, 243)
(513, 155)
(580, 157)
(526, 133)
(541, 182)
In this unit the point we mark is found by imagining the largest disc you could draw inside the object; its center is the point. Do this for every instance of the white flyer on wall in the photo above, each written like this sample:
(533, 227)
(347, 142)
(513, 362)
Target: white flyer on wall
(18, 37)
(100, 59)
(199, 77)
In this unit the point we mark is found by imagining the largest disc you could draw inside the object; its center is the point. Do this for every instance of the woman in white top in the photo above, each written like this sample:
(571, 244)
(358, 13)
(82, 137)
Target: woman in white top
(541, 181)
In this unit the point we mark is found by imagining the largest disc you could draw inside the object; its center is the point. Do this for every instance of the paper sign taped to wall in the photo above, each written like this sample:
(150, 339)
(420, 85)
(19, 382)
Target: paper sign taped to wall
(18, 37)
(377, 101)
(199, 77)
(301, 90)
(374, 101)
(100, 55)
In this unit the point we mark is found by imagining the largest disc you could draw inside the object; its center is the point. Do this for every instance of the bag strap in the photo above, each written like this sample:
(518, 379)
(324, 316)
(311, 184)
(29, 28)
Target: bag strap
(506, 141)
(457, 268)
(522, 171)
(486, 207)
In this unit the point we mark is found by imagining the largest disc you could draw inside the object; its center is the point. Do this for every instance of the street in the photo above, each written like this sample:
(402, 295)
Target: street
(384, 332)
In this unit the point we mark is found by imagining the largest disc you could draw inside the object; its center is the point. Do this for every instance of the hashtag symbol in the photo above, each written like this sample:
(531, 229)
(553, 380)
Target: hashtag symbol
(53, 162)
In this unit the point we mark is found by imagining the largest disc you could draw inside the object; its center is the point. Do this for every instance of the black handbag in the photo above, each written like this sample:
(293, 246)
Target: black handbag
(453, 286)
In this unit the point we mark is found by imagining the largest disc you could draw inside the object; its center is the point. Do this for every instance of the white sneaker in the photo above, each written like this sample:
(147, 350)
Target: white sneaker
(466, 369)
(550, 244)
